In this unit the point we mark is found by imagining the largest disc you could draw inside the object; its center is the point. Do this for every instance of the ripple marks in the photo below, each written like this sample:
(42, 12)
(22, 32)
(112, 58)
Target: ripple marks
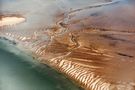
(81, 74)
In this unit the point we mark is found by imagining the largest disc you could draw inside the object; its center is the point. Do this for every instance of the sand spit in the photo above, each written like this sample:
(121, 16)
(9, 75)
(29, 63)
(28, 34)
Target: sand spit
(93, 46)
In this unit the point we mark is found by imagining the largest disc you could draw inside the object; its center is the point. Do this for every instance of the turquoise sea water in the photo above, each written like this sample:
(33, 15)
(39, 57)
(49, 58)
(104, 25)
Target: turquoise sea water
(20, 72)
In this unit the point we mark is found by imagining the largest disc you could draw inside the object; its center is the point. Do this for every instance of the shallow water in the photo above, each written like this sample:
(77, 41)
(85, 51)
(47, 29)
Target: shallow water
(18, 73)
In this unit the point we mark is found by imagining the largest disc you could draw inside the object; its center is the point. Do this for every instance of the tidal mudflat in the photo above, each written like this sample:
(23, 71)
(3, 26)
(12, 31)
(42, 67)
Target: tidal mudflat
(91, 42)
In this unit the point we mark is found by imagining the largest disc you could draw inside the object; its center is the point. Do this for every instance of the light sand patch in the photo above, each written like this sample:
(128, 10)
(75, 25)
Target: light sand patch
(9, 21)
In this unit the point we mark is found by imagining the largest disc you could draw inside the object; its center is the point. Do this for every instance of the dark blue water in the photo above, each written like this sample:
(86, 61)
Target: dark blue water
(18, 72)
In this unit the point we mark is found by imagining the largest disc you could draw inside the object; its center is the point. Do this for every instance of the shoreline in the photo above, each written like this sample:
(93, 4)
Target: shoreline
(31, 59)
(92, 46)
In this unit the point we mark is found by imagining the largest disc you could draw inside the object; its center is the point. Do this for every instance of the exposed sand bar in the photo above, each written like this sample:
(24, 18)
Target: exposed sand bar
(91, 42)
(10, 20)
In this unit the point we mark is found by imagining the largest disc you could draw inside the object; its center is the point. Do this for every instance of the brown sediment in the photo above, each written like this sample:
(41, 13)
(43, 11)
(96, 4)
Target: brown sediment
(93, 59)
(95, 49)
(100, 54)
